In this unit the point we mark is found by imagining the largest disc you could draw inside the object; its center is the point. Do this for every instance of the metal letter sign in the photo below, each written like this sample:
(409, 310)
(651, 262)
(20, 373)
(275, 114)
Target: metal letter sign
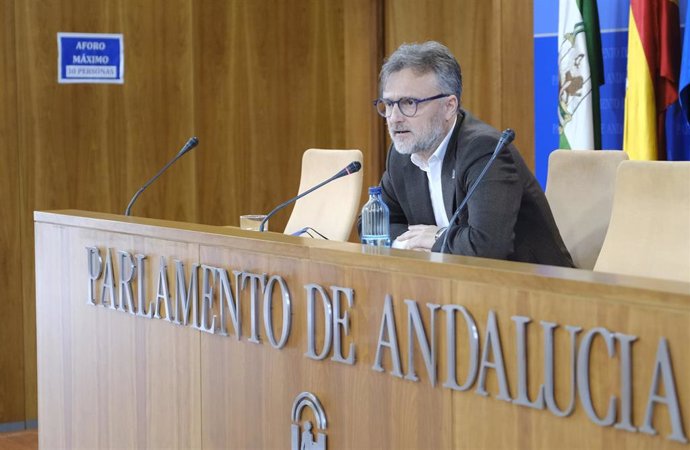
(90, 58)
(304, 439)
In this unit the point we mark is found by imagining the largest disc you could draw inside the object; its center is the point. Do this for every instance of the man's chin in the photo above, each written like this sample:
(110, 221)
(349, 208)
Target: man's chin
(405, 149)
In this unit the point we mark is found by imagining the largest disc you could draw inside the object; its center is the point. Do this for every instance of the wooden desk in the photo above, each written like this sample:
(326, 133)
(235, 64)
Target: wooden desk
(109, 377)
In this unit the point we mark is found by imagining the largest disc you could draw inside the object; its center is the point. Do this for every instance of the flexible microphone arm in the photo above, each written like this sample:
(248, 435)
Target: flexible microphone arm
(191, 143)
(351, 168)
(506, 138)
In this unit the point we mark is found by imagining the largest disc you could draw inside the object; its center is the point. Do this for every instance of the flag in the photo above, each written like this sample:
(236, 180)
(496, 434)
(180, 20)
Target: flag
(684, 85)
(677, 134)
(581, 72)
(653, 40)
(678, 114)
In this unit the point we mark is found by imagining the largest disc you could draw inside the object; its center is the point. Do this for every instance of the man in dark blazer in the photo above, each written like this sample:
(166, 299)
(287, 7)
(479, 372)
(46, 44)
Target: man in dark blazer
(438, 152)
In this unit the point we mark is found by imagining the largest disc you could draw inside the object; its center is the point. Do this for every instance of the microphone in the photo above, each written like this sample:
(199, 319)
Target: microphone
(506, 138)
(351, 168)
(191, 143)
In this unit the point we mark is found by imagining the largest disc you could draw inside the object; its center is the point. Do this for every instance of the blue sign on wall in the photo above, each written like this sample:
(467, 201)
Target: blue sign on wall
(90, 58)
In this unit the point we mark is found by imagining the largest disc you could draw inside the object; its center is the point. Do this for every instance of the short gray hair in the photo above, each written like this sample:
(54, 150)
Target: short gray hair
(422, 58)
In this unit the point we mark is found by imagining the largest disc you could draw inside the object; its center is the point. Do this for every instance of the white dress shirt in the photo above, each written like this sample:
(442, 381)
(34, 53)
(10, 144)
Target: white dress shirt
(433, 167)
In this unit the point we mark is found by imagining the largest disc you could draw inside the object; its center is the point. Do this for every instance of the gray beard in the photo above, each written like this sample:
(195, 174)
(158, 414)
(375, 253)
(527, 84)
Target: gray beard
(427, 143)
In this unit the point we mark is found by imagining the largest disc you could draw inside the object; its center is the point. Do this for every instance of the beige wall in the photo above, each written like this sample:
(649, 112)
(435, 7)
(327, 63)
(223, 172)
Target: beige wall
(258, 82)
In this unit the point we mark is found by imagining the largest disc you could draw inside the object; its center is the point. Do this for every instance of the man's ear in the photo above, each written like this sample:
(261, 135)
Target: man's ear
(452, 107)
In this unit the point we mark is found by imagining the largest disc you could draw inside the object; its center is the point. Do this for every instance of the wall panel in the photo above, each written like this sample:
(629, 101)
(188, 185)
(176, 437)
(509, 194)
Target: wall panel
(517, 89)
(157, 110)
(273, 79)
(11, 331)
(363, 56)
(492, 42)
(91, 146)
(257, 82)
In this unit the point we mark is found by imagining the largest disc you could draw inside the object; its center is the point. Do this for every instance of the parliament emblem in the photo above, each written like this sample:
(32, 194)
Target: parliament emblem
(303, 435)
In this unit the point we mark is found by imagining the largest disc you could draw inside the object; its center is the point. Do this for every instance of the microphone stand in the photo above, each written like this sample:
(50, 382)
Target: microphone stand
(506, 138)
(191, 143)
(351, 168)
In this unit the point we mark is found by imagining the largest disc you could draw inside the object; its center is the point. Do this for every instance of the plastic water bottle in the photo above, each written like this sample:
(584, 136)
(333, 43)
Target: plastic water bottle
(375, 220)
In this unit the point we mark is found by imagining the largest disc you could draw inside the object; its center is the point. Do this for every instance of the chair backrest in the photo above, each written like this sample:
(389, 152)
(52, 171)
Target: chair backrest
(649, 234)
(332, 209)
(579, 189)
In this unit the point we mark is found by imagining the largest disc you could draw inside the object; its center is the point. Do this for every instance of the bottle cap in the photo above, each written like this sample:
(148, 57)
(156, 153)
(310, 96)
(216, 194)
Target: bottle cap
(373, 190)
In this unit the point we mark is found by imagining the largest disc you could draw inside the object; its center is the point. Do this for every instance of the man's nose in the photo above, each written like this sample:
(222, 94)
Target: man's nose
(396, 115)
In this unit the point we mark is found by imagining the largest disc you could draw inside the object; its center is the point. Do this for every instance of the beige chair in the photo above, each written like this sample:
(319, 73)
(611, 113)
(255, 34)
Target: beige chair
(649, 234)
(332, 209)
(579, 189)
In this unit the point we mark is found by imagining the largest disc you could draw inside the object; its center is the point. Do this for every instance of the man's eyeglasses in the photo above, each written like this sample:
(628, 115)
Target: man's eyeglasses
(406, 105)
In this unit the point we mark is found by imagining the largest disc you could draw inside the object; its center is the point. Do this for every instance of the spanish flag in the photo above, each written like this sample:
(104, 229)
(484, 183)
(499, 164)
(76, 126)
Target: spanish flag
(653, 40)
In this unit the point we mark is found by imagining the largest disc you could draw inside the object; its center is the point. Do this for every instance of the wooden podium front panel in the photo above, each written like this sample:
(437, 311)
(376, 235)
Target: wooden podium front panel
(496, 424)
(111, 379)
(249, 388)
(108, 379)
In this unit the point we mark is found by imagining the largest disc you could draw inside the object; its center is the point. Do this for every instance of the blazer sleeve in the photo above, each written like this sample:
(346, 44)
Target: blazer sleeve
(486, 227)
(398, 219)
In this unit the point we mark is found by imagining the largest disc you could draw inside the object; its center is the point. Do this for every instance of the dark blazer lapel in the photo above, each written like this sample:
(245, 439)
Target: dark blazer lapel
(417, 187)
(448, 174)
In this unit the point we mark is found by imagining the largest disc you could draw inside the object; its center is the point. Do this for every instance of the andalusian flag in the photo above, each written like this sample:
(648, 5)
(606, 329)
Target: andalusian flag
(580, 68)
(652, 76)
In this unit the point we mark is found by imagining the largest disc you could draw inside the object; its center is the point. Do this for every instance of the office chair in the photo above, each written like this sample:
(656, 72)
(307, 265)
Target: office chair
(332, 209)
(579, 189)
(649, 233)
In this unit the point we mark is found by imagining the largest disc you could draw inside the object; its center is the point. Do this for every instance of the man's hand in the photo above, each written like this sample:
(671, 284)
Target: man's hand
(417, 237)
